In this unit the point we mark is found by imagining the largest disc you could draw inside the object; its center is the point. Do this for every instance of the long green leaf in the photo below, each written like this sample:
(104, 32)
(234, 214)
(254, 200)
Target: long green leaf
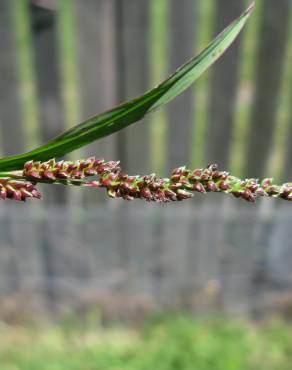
(119, 117)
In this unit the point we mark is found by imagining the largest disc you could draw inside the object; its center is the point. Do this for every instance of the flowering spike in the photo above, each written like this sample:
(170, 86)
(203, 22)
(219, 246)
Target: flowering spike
(149, 187)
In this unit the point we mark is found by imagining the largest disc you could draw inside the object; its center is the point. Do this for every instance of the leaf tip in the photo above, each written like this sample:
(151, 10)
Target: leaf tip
(250, 8)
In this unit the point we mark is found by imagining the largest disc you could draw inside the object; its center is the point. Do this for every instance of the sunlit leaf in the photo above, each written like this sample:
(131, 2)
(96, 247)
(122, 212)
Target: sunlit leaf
(122, 116)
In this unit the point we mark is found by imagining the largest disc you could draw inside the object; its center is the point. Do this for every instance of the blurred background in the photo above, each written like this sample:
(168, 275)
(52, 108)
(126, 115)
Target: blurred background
(84, 275)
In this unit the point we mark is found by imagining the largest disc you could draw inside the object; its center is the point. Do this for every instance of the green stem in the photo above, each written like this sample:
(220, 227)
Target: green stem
(13, 175)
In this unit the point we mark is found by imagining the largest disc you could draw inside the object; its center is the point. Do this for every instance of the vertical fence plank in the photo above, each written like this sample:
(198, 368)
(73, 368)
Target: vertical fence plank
(10, 277)
(67, 63)
(25, 239)
(224, 84)
(14, 228)
(222, 100)
(182, 35)
(96, 61)
(132, 27)
(175, 241)
(26, 71)
(97, 67)
(12, 139)
(206, 251)
(45, 43)
(48, 80)
(270, 62)
(12, 134)
(287, 173)
(133, 76)
(287, 170)
(46, 64)
(175, 227)
(243, 267)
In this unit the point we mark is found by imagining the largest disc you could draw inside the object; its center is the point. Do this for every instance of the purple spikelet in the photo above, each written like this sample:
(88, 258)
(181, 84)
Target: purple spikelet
(17, 190)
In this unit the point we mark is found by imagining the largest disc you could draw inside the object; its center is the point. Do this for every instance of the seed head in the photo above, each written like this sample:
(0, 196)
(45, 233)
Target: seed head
(118, 184)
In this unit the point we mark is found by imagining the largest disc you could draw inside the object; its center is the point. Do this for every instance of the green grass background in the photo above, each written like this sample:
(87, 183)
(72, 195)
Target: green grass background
(174, 342)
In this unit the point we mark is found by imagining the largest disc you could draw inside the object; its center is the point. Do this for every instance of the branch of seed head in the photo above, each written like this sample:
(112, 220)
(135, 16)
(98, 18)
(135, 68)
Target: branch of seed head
(19, 185)
(181, 185)
(17, 190)
(52, 170)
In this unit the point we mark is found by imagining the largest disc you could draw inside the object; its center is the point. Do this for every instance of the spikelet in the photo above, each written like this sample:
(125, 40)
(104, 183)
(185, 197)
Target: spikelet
(17, 190)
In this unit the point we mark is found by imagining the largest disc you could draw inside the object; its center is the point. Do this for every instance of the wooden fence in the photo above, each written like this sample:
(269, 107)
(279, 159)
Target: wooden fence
(63, 61)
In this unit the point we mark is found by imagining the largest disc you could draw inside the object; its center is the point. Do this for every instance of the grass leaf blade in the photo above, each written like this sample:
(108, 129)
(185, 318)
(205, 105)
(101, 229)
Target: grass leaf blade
(122, 116)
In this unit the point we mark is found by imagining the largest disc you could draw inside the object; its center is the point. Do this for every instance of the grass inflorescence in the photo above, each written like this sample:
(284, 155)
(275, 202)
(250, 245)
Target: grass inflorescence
(182, 183)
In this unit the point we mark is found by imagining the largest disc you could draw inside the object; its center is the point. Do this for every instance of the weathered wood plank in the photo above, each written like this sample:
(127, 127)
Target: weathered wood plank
(132, 66)
(287, 171)
(174, 248)
(12, 141)
(47, 71)
(223, 88)
(270, 62)
(51, 114)
(12, 133)
(132, 27)
(222, 99)
(96, 61)
(182, 36)
(48, 82)
(97, 71)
